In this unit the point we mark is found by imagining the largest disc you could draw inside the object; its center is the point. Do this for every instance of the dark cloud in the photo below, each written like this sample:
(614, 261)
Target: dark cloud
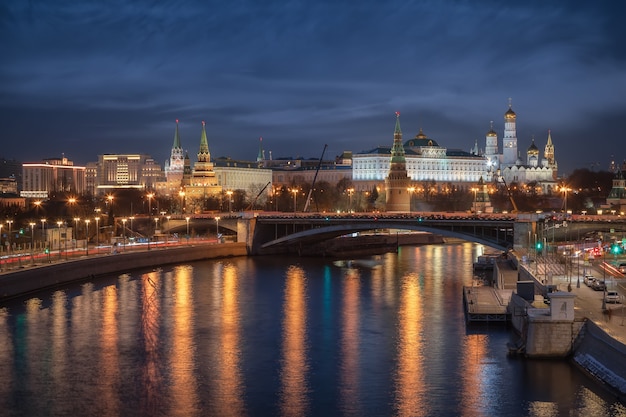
(88, 77)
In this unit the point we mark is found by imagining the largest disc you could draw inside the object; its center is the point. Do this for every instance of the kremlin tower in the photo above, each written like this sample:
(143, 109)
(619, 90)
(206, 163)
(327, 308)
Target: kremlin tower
(398, 197)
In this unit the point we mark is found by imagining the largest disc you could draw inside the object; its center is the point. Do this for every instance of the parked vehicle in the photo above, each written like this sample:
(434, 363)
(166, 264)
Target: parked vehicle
(598, 285)
(622, 268)
(612, 297)
(589, 280)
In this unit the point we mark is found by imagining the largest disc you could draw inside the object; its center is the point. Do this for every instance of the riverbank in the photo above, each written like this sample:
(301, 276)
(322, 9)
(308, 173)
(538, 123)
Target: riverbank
(39, 277)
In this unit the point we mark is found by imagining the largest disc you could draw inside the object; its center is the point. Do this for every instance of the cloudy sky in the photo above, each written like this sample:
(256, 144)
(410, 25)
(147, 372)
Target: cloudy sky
(87, 77)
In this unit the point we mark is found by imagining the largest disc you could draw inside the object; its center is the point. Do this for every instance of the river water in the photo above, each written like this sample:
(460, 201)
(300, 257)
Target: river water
(275, 336)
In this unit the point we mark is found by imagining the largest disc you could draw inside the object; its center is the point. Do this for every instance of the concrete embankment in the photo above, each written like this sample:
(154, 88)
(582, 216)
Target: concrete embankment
(24, 281)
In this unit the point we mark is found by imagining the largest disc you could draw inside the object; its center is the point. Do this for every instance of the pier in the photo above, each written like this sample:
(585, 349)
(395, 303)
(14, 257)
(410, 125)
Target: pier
(486, 304)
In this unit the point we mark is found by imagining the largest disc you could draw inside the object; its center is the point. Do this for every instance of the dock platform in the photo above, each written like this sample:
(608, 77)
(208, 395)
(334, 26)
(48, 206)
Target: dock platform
(486, 305)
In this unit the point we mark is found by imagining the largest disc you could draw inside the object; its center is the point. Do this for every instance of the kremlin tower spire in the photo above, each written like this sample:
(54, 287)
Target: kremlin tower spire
(204, 155)
(175, 166)
(397, 182)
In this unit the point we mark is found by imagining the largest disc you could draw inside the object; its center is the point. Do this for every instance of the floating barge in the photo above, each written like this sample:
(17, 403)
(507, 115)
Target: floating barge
(485, 305)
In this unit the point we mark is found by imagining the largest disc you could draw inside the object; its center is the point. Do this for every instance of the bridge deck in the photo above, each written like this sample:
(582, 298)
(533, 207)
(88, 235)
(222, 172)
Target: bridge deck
(485, 304)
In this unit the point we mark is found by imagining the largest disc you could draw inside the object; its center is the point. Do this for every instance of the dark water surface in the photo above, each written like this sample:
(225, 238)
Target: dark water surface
(278, 336)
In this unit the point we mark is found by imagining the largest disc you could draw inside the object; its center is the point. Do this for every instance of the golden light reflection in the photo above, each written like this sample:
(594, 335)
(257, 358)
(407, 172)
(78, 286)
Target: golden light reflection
(411, 397)
(110, 357)
(294, 399)
(349, 366)
(184, 385)
(150, 403)
(59, 333)
(472, 402)
(35, 328)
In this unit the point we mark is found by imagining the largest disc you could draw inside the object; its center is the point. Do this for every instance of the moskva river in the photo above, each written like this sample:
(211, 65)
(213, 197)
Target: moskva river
(275, 336)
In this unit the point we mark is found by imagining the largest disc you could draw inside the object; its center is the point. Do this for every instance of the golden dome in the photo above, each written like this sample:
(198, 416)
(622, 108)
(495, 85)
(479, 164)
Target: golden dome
(510, 114)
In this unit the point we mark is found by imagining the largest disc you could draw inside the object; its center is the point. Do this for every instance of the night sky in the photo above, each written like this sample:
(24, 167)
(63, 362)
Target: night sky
(83, 78)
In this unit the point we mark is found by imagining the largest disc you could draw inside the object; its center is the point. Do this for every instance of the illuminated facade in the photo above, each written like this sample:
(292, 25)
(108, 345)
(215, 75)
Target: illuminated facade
(41, 179)
(115, 171)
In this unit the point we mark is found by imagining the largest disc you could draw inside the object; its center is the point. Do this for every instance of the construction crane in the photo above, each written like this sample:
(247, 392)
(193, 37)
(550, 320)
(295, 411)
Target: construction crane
(308, 198)
(500, 177)
(251, 206)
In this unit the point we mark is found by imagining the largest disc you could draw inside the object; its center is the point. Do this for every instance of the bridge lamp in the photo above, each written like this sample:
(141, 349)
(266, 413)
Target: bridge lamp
(217, 228)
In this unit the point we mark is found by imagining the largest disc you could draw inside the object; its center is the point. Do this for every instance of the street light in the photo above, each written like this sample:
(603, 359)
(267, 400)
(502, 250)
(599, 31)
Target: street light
(181, 194)
(350, 192)
(217, 228)
(76, 220)
(475, 190)
(43, 231)
(187, 219)
(295, 194)
(229, 193)
(150, 195)
(411, 190)
(565, 190)
(124, 233)
(87, 237)
(9, 222)
(59, 223)
(32, 241)
(97, 219)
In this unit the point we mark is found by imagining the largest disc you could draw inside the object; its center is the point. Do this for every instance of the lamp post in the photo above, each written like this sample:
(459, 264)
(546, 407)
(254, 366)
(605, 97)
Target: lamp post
(124, 220)
(87, 237)
(149, 195)
(59, 223)
(475, 190)
(350, 192)
(295, 194)
(604, 279)
(97, 219)
(411, 190)
(43, 231)
(1, 246)
(217, 228)
(76, 220)
(181, 194)
(131, 223)
(229, 193)
(9, 222)
(32, 241)
(156, 227)
(168, 229)
(187, 219)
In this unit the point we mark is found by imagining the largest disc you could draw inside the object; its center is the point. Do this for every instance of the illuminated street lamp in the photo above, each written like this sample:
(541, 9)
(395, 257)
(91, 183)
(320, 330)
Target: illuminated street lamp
(565, 190)
(475, 190)
(87, 237)
(411, 190)
(97, 219)
(76, 220)
(229, 193)
(32, 241)
(43, 231)
(187, 219)
(181, 194)
(150, 195)
(295, 194)
(59, 223)
(124, 233)
(9, 222)
(350, 192)
(217, 228)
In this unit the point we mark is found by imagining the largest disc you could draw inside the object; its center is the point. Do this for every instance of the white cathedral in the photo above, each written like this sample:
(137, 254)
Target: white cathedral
(539, 172)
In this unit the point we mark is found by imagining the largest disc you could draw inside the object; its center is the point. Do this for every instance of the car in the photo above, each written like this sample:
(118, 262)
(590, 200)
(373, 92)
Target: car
(612, 297)
(622, 268)
(598, 285)
(589, 280)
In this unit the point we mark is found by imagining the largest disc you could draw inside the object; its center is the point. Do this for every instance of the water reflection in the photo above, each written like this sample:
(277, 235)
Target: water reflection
(109, 354)
(350, 352)
(6, 357)
(294, 389)
(151, 401)
(229, 401)
(184, 400)
(411, 398)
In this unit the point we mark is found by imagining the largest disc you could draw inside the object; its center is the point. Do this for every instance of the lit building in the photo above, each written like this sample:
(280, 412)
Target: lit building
(115, 171)
(174, 168)
(41, 179)
(397, 182)
(243, 175)
(426, 163)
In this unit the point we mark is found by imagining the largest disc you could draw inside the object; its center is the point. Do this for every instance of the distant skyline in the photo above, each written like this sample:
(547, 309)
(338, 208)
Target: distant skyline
(84, 78)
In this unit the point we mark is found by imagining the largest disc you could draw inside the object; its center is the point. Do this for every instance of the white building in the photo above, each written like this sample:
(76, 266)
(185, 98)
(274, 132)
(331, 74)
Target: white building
(41, 179)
